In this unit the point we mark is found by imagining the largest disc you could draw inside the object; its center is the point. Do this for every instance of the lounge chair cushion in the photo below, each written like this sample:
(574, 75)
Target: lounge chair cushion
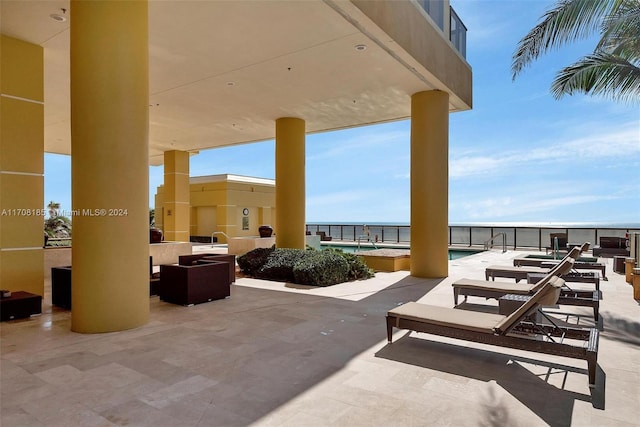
(490, 285)
(561, 268)
(548, 295)
(445, 316)
(509, 287)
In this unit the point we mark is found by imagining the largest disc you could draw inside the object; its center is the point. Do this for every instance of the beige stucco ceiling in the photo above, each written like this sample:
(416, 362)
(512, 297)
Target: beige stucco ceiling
(221, 72)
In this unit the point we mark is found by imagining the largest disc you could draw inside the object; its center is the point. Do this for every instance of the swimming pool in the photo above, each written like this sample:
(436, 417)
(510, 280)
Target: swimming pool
(453, 253)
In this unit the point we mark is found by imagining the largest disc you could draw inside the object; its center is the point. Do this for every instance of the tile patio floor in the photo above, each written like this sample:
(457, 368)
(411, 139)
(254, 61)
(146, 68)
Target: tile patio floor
(273, 355)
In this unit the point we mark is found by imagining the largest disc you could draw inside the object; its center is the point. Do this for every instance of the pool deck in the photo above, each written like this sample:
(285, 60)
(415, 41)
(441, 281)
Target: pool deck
(276, 354)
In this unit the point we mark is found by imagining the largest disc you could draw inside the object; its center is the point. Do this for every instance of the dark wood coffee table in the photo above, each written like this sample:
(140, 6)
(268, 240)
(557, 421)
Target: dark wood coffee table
(20, 305)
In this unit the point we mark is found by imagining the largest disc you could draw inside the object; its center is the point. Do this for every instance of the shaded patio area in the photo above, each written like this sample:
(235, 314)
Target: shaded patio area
(277, 355)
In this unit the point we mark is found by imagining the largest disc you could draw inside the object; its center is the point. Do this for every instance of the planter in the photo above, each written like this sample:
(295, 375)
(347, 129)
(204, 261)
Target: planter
(155, 235)
(265, 230)
(629, 265)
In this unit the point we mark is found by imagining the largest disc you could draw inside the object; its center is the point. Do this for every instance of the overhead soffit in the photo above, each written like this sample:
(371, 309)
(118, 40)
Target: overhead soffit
(221, 72)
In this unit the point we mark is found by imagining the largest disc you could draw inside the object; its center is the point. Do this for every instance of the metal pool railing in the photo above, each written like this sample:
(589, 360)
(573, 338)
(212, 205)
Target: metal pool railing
(489, 243)
(515, 237)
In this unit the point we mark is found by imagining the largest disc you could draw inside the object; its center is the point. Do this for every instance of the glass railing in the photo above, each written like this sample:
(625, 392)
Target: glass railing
(457, 30)
(517, 237)
(435, 9)
(458, 33)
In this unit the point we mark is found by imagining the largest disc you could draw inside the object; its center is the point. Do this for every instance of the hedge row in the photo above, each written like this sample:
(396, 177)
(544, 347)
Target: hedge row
(306, 267)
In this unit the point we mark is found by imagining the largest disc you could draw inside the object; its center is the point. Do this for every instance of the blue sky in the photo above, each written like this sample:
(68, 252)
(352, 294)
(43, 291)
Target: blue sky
(518, 156)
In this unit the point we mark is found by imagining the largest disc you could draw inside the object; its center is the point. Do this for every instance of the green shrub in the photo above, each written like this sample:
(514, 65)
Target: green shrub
(321, 269)
(59, 243)
(253, 260)
(279, 264)
(308, 267)
(357, 268)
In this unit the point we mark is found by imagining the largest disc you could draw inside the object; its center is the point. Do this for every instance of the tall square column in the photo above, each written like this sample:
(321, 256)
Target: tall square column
(176, 213)
(21, 166)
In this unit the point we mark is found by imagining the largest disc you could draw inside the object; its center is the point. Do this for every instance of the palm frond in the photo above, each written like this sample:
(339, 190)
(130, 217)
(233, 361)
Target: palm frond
(568, 21)
(621, 31)
(600, 74)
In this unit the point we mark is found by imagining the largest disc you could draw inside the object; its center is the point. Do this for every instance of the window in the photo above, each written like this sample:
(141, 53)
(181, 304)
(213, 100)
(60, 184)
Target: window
(435, 9)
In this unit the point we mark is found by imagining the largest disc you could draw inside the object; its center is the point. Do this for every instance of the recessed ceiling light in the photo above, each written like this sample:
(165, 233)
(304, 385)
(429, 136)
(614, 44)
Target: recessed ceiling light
(58, 17)
(360, 47)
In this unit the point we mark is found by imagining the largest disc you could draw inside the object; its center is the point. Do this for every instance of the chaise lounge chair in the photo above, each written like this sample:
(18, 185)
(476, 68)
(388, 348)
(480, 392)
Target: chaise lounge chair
(518, 330)
(536, 259)
(493, 289)
(323, 236)
(581, 263)
(520, 273)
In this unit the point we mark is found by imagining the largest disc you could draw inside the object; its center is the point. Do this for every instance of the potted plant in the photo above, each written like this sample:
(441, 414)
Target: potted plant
(265, 230)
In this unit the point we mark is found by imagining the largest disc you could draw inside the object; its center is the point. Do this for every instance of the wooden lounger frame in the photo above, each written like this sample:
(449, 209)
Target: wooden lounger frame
(567, 297)
(520, 329)
(508, 273)
(588, 353)
(579, 265)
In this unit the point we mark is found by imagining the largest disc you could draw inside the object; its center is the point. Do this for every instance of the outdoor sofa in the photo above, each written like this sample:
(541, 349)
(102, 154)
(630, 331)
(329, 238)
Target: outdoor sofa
(611, 246)
(194, 284)
(194, 259)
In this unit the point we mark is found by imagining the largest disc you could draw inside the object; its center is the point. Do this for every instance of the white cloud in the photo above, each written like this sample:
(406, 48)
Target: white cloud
(623, 143)
(467, 166)
(365, 142)
(339, 197)
(524, 205)
(487, 29)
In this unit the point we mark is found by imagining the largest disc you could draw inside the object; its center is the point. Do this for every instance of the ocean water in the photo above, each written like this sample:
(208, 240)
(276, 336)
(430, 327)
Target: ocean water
(512, 234)
(524, 224)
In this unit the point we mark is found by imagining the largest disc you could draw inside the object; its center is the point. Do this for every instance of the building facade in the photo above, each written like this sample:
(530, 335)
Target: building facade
(224, 206)
(172, 78)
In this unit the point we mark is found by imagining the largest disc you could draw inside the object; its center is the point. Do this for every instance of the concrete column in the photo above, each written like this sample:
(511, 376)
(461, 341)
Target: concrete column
(429, 184)
(226, 222)
(176, 211)
(290, 183)
(21, 166)
(265, 216)
(109, 164)
(159, 209)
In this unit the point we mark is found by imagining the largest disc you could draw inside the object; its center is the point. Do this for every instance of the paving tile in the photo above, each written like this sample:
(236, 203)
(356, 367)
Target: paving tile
(164, 397)
(12, 416)
(274, 355)
(139, 414)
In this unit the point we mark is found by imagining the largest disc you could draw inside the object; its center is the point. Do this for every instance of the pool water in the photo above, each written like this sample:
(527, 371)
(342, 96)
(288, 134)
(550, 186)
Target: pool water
(456, 253)
(453, 253)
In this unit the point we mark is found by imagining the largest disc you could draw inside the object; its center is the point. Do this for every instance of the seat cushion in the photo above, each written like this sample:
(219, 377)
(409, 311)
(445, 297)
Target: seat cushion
(450, 317)
(513, 269)
(490, 285)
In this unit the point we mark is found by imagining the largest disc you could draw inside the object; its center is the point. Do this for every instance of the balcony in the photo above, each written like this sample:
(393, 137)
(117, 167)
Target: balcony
(458, 33)
(457, 30)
